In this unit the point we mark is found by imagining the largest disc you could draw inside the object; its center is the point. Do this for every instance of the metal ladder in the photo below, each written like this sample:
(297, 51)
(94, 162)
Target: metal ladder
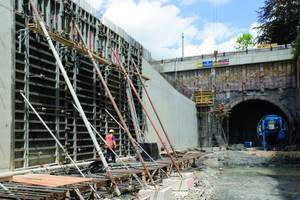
(132, 109)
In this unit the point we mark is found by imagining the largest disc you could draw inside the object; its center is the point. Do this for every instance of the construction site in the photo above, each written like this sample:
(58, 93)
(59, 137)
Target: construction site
(69, 77)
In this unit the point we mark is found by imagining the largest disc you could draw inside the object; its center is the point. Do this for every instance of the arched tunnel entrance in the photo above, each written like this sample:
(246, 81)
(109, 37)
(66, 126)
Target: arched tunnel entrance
(245, 117)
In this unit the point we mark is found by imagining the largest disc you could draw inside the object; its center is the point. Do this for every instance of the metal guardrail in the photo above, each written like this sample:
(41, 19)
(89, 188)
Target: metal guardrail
(226, 54)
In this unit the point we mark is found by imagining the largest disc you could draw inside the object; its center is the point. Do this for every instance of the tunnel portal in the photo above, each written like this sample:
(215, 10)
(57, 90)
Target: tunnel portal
(245, 117)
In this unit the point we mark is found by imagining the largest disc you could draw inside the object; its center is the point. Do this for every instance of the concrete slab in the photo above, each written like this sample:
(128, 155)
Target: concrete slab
(156, 194)
(179, 184)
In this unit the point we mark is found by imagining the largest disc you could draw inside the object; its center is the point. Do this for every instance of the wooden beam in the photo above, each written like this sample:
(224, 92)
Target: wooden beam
(68, 43)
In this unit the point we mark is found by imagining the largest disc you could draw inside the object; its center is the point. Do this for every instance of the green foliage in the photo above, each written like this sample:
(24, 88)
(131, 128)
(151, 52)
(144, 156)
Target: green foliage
(296, 50)
(244, 42)
(278, 20)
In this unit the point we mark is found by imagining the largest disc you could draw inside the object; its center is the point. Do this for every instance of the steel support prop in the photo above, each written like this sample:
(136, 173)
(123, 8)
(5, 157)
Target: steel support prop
(76, 100)
(115, 106)
(137, 178)
(152, 105)
(137, 143)
(57, 141)
(145, 110)
(103, 140)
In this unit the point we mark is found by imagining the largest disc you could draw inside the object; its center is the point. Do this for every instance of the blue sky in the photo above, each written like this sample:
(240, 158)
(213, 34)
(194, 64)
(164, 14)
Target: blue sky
(158, 25)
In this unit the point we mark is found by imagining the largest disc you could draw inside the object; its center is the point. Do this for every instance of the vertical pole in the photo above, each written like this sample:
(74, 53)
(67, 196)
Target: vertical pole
(182, 45)
(160, 122)
(146, 112)
(115, 105)
(76, 100)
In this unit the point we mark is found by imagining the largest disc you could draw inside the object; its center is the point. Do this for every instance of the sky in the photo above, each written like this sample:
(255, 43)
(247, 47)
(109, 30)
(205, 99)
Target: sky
(158, 25)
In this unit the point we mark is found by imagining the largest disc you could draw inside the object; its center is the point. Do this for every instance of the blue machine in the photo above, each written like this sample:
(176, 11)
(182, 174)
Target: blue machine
(271, 126)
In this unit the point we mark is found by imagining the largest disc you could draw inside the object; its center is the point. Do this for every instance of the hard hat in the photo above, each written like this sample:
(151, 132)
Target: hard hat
(222, 103)
(111, 131)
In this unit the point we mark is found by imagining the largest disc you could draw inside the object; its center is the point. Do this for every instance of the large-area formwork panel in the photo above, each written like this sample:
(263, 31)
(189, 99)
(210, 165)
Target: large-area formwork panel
(38, 76)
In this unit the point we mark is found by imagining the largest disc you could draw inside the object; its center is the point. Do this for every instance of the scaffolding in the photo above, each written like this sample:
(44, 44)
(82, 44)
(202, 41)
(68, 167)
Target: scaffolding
(204, 99)
(214, 128)
(38, 75)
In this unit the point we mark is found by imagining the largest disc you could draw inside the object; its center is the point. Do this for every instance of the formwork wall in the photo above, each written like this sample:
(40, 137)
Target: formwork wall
(38, 76)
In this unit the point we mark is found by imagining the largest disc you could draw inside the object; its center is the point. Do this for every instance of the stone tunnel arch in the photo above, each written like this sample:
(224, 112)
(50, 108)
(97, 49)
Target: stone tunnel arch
(247, 111)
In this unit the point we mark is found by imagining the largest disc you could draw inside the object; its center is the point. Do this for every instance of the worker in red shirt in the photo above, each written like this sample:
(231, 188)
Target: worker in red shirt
(111, 142)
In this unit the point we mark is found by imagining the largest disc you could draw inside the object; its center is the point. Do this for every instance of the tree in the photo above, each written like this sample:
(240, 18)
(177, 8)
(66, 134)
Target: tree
(296, 50)
(244, 42)
(278, 21)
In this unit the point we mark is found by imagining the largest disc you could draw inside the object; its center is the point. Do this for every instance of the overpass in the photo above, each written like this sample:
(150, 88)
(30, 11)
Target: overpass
(252, 84)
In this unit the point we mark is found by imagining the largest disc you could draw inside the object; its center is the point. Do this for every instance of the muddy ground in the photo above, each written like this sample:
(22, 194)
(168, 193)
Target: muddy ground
(246, 175)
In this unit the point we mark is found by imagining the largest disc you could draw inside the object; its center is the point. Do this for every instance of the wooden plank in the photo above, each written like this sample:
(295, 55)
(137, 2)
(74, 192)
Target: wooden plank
(5, 178)
(48, 180)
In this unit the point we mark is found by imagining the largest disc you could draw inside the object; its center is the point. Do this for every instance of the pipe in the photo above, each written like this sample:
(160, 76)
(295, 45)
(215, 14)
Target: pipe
(86, 122)
(115, 105)
(10, 192)
(160, 122)
(146, 112)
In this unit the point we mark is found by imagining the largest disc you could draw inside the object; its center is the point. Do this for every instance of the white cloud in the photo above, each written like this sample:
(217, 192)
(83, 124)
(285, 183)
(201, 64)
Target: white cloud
(208, 46)
(252, 29)
(156, 26)
(219, 31)
(159, 27)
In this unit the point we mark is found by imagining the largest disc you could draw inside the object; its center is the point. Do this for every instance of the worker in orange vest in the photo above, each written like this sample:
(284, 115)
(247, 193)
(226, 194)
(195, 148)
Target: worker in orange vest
(111, 142)
(222, 107)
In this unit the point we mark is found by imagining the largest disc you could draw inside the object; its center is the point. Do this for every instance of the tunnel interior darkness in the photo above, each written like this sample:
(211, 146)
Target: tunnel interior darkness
(244, 118)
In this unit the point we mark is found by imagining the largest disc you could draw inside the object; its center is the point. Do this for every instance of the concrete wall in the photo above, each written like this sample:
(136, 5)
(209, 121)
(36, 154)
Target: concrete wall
(258, 55)
(253, 84)
(5, 84)
(177, 112)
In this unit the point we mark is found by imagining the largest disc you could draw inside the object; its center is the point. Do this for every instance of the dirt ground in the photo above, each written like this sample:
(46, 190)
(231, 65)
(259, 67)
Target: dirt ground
(243, 175)
(246, 175)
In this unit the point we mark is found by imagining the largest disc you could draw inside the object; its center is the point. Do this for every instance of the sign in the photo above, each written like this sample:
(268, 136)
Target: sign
(267, 45)
(223, 62)
(213, 63)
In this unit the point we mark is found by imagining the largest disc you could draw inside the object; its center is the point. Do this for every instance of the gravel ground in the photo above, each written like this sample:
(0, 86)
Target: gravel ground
(245, 175)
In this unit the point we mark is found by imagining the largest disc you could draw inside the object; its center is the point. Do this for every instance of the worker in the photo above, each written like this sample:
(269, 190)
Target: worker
(281, 136)
(221, 107)
(110, 142)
